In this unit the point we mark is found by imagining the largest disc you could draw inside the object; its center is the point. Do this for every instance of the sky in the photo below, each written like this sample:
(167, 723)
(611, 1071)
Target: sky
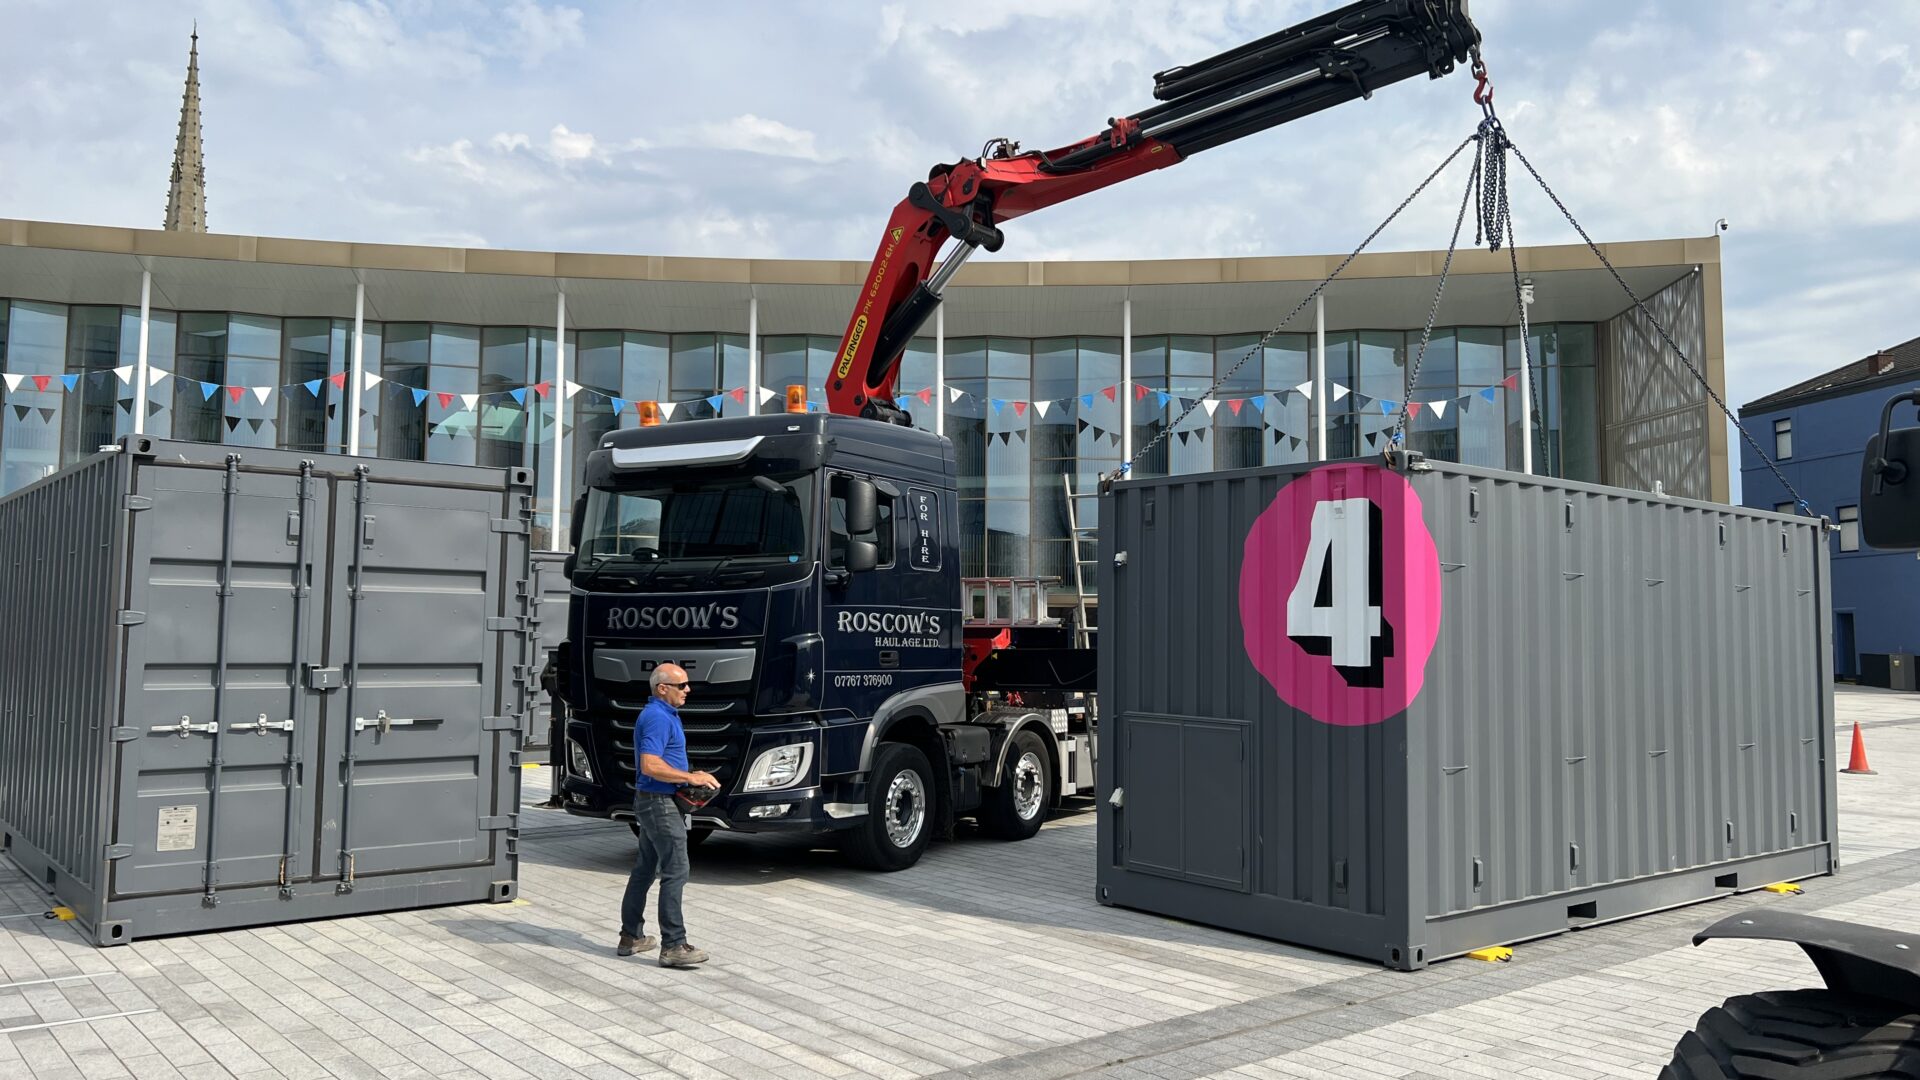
(773, 129)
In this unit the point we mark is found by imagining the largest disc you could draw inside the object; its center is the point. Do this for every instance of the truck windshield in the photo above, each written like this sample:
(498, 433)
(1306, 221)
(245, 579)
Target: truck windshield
(718, 518)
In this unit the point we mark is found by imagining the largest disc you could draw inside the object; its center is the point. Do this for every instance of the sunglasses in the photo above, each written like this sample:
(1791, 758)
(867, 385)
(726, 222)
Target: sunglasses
(675, 685)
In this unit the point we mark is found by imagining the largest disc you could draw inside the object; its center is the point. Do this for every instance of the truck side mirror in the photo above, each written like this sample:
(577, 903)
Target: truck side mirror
(863, 510)
(1890, 483)
(862, 556)
(569, 564)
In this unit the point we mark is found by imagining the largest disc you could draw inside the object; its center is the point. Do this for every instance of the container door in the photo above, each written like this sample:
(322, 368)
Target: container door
(214, 783)
(410, 743)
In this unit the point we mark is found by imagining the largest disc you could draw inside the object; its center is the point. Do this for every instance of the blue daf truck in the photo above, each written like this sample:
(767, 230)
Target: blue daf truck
(805, 570)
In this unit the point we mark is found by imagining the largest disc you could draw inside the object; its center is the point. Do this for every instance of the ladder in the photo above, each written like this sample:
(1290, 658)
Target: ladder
(1080, 536)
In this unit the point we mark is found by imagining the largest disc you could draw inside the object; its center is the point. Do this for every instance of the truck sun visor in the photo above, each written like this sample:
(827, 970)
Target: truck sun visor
(699, 453)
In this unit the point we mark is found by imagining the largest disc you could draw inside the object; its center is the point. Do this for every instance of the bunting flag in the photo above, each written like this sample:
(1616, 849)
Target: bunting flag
(263, 393)
(1233, 405)
(41, 382)
(519, 396)
(1109, 391)
(22, 411)
(71, 381)
(1339, 391)
(13, 384)
(1373, 438)
(767, 395)
(124, 373)
(313, 386)
(1259, 403)
(739, 394)
(619, 406)
(472, 401)
(570, 389)
(1305, 390)
(1139, 392)
(998, 404)
(368, 380)
(925, 396)
(1511, 382)
(419, 395)
(1439, 408)
(338, 379)
(1041, 407)
(233, 423)
(1386, 407)
(1019, 408)
(1293, 442)
(953, 393)
(666, 409)
(716, 400)
(1413, 407)
(1210, 405)
(1164, 397)
(543, 387)
(1489, 393)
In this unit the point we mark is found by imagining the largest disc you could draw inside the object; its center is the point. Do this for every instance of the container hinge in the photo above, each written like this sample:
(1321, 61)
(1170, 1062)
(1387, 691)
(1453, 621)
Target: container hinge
(131, 618)
(504, 525)
(118, 851)
(125, 734)
(499, 723)
(495, 824)
(136, 502)
(508, 624)
(1453, 770)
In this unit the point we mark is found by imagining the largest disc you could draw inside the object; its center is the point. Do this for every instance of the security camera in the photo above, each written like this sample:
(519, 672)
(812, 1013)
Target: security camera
(1721, 225)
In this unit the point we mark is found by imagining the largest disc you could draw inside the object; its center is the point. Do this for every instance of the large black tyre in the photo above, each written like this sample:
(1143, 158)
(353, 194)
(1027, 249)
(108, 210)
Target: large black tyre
(900, 811)
(1800, 1035)
(1018, 807)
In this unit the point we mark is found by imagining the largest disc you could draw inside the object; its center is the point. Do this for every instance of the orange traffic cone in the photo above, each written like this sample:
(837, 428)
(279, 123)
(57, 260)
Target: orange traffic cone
(1858, 763)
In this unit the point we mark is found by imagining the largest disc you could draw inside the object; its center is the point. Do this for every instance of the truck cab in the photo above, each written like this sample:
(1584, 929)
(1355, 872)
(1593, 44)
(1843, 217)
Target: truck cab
(804, 570)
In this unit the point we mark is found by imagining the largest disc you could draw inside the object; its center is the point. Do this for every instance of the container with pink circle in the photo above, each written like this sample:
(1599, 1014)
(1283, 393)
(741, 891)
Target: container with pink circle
(1340, 594)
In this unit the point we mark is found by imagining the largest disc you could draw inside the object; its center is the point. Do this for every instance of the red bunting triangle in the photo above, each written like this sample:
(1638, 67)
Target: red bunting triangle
(925, 396)
(1019, 408)
(1413, 408)
(739, 394)
(541, 388)
(236, 393)
(1139, 391)
(1234, 403)
(1512, 382)
(338, 379)
(40, 381)
(1109, 392)
(444, 399)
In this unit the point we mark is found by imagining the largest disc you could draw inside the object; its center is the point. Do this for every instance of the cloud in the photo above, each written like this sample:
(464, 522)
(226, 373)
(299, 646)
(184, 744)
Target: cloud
(566, 145)
(539, 32)
(755, 135)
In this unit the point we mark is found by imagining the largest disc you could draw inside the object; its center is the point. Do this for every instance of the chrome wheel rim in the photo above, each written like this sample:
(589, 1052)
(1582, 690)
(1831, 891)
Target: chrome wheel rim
(906, 809)
(1029, 786)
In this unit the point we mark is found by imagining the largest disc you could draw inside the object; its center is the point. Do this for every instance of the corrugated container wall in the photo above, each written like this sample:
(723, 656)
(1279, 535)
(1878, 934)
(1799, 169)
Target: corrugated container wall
(246, 686)
(1408, 715)
(552, 593)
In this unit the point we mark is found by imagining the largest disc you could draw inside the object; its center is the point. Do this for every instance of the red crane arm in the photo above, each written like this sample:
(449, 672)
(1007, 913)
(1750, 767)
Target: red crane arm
(1345, 54)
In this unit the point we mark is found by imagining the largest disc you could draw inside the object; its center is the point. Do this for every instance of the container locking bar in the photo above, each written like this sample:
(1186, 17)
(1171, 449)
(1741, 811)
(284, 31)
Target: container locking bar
(184, 728)
(263, 725)
(384, 722)
(363, 538)
(229, 496)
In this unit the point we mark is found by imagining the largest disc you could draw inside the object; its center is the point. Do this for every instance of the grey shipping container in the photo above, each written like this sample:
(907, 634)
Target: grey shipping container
(1405, 715)
(552, 592)
(243, 686)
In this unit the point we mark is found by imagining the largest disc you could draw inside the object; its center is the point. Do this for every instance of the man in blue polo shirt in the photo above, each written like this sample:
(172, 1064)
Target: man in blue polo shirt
(660, 760)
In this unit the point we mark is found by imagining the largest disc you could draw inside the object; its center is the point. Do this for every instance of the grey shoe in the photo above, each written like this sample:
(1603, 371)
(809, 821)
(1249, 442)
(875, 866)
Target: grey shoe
(681, 955)
(631, 945)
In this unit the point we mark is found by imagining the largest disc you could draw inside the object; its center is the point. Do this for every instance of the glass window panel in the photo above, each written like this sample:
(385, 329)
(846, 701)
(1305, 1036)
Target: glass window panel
(1439, 365)
(733, 367)
(502, 430)
(1481, 356)
(88, 410)
(452, 427)
(783, 362)
(916, 374)
(1579, 423)
(1009, 358)
(973, 538)
(645, 361)
(309, 358)
(200, 370)
(1381, 364)
(456, 346)
(966, 358)
(1009, 551)
(36, 345)
(1576, 342)
(405, 363)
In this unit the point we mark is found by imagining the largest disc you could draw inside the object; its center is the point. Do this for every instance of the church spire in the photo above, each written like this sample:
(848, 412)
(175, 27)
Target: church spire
(187, 197)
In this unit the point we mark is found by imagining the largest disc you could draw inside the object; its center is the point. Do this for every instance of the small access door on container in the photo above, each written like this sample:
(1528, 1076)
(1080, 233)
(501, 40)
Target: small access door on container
(409, 769)
(219, 727)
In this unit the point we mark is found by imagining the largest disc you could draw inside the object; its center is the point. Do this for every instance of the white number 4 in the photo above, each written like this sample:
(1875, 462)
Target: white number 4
(1340, 545)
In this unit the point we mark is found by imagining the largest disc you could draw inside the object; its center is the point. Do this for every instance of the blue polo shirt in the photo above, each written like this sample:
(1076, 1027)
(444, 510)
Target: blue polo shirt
(658, 732)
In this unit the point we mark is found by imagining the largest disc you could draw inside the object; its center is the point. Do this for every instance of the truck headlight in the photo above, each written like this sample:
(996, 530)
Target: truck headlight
(780, 767)
(577, 761)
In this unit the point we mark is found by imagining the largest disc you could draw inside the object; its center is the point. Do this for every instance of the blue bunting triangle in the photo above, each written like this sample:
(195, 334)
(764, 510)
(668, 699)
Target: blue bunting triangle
(519, 396)
(313, 386)
(998, 404)
(1259, 403)
(419, 396)
(71, 381)
(207, 390)
(620, 405)
(1086, 401)
(1386, 407)
(1488, 393)
(1163, 396)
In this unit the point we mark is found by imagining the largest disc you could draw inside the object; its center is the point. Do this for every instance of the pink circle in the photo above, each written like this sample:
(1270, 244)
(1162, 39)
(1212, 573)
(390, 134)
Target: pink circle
(1402, 580)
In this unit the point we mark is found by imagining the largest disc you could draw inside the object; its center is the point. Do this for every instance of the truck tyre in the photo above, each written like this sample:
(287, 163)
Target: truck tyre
(1018, 807)
(1817, 1034)
(900, 809)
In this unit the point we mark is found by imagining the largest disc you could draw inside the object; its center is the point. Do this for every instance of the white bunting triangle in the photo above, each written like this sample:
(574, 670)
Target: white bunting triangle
(154, 375)
(263, 393)
(1041, 407)
(572, 388)
(124, 373)
(767, 395)
(470, 401)
(1210, 404)
(1439, 407)
(1305, 390)
(953, 393)
(368, 380)
(667, 407)
(13, 381)
(1339, 391)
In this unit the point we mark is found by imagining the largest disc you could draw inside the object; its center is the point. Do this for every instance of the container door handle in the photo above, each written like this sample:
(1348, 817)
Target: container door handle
(184, 728)
(263, 725)
(384, 722)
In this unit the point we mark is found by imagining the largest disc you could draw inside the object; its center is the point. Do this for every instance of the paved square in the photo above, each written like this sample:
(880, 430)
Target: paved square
(987, 959)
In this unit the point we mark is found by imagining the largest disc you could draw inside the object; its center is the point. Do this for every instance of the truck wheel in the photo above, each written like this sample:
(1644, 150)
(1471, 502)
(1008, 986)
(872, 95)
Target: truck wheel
(1812, 1033)
(1016, 809)
(899, 819)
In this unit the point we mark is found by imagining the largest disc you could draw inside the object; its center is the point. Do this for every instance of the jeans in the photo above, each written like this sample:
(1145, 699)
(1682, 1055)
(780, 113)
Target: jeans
(663, 854)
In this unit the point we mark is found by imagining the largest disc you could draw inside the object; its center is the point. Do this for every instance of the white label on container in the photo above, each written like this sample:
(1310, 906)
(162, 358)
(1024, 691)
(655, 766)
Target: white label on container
(179, 828)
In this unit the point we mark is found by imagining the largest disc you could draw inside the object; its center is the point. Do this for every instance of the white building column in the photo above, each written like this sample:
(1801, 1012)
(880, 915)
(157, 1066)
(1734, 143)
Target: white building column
(1126, 380)
(940, 370)
(1526, 382)
(753, 355)
(557, 533)
(140, 362)
(357, 370)
(1319, 402)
